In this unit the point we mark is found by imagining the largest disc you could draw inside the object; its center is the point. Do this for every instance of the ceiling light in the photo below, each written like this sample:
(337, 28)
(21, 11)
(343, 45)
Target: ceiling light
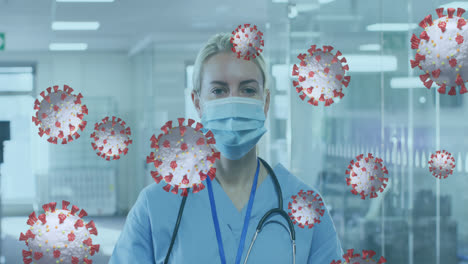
(371, 63)
(306, 7)
(16, 69)
(68, 46)
(61, 25)
(391, 27)
(370, 47)
(407, 82)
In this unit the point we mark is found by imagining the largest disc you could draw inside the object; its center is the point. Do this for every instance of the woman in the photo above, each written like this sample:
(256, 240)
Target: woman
(232, 100)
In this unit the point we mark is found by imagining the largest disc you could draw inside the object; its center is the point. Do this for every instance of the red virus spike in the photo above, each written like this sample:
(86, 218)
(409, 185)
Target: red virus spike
(424, 36)
(452, 91)
(82, 213)
(74, 209)
(450, 12)
(182, 130)
(428, 84)
(436, 73)
(167, 187)
(38, 255)
(175, 190)
(88, 242)
(155, 176)
(93, 231)
(453, 62)
(42, 218)
(440, 12)
(415, 42)
(463, 89)
(62, 218)
(94, 249)
(32, 219)
(424, 77)
(428, 19)
(78, 223)
(442, 25)
(423, 23)
(71, 236)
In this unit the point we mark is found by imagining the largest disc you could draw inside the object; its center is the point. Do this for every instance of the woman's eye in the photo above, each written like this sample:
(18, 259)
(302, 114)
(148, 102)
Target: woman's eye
(217, 91)
(250, 90)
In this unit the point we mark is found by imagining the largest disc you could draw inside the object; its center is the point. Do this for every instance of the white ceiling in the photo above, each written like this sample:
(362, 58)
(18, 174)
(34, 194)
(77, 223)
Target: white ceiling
(124, 23)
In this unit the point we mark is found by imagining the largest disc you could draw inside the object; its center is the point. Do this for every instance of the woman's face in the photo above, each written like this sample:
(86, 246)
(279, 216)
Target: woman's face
(226, 75)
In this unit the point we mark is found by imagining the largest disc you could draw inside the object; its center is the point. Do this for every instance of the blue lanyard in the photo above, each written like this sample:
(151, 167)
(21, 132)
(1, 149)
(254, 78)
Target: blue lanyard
(246, 220)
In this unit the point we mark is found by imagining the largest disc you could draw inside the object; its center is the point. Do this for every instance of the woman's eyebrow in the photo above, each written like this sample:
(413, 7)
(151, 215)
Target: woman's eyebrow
(241, 83)
(248, 81)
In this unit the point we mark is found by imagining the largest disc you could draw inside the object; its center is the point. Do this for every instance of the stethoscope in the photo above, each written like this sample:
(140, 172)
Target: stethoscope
(279, 210)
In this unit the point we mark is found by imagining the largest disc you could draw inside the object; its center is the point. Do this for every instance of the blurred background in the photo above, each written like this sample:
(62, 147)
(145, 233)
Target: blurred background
(133, 59)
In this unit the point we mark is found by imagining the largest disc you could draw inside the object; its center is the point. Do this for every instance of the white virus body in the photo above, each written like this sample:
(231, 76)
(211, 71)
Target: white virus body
(321, 75)
(366, 176)
(441, 51)
(111, 138)
(60, 114)
(247, 41)
(367, 257)
(59, 236)
(441, 164)
(183, 156)
(306, 208)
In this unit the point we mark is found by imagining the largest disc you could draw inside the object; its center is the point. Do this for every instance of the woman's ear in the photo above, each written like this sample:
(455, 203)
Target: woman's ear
(196, 102)
(267, 101)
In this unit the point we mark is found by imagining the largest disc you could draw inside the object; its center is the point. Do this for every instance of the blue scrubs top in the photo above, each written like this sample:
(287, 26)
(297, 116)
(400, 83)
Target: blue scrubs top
(148, 229)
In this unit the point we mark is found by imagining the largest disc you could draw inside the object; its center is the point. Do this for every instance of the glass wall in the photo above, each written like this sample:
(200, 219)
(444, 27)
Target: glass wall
(386, 111)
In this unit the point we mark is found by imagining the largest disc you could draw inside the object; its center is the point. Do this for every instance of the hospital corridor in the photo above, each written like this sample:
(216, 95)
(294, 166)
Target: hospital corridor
(246, 131)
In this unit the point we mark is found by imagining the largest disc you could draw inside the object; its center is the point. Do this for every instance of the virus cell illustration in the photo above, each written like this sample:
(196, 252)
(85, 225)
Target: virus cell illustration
(441, 164)
(246, 41)
(320, 75)
(59, 236)
(183, 156)
(441, 51)
(111, 138)
(365, 258)
(306, 208)
(60, 114)
(366, 176)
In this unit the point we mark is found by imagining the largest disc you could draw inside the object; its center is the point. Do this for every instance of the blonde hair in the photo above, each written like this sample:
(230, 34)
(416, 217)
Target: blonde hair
(219, 43)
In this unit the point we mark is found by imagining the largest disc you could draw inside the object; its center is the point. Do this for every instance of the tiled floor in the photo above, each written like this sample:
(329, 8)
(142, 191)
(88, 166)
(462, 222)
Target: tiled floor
(108, 232)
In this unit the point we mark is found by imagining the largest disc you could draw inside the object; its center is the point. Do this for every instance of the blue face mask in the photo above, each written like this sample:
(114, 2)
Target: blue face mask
(237, 124)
